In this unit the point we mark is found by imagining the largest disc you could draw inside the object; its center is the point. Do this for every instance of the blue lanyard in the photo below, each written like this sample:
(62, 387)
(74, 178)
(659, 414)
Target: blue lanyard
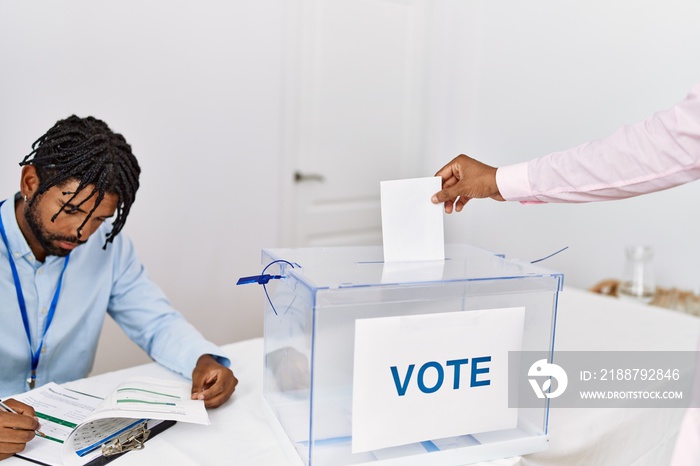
(23, 307)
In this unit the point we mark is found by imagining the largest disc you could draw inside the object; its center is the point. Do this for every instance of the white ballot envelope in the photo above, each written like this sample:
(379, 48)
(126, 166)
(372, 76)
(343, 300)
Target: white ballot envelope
(412, 226)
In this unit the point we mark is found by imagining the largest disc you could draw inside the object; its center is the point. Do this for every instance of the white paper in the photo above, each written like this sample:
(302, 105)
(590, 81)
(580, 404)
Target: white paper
(412, 226)
(390, 408)
(65, 408)
(72, 420)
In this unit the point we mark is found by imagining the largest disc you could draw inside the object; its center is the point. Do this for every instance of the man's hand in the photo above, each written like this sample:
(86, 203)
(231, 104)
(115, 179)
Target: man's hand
(212, 382)
(463, 179)
(16, 429)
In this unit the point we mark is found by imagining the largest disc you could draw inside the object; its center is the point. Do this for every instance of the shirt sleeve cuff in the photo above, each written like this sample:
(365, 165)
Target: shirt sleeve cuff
(514, 183)
(206, 348)
(224, 361)
(213, 351)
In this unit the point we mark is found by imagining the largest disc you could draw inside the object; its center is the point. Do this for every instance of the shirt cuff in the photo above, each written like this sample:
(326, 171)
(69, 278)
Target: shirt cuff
(223, 360)
(514, 183)
(214, 351)
(200, 350)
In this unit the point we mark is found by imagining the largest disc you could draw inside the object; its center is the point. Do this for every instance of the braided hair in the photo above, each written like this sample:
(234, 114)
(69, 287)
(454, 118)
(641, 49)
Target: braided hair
(86, 150)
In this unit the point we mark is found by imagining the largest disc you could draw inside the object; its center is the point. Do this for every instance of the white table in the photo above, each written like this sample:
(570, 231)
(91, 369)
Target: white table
(239, 433)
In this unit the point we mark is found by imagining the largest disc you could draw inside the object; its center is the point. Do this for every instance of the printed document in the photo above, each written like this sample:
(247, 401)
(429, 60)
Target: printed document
(76, 424)
(412, 226)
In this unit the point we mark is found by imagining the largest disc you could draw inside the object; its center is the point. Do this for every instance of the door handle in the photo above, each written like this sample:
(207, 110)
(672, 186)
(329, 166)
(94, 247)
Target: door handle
(300, 177)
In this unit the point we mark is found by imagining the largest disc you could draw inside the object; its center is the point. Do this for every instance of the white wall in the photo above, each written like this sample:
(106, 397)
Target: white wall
(195, 87)
(512, 80)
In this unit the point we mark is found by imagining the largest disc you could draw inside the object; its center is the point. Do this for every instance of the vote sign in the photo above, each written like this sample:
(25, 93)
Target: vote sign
(432, 376)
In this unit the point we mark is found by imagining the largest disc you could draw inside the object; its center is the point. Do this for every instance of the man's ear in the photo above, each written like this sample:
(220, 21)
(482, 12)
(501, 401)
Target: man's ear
(29, 181)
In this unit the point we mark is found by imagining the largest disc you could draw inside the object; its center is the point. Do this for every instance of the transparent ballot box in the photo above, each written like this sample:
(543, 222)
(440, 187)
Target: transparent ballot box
(403, 363)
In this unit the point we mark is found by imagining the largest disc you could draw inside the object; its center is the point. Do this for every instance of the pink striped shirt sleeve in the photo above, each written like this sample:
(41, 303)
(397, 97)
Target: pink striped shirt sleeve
(658, 153)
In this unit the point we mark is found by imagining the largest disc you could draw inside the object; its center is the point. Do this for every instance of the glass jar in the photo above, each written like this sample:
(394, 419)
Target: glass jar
(638, 279)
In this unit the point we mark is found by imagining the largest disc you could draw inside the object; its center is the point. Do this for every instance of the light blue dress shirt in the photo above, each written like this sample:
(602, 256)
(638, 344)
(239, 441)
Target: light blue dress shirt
(96, 282)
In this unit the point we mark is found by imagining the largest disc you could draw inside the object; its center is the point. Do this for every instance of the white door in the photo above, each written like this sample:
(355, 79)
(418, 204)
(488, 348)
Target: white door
(354, 102)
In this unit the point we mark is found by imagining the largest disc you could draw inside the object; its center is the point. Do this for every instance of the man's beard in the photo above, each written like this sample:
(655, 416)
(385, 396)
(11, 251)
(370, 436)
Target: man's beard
(44, 238)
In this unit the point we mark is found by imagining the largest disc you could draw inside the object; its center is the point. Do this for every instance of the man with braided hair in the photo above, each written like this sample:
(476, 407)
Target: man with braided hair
(59, 276)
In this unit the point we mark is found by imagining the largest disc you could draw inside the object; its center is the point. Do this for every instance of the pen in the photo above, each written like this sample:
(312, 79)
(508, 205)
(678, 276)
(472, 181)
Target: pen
(4, 407)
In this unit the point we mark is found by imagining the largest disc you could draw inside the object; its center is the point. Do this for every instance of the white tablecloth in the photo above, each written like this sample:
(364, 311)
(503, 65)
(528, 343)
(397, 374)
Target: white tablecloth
(240, 434)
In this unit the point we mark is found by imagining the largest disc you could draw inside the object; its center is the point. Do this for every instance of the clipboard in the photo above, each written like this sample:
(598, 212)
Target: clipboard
(140, 437)
(134, 439)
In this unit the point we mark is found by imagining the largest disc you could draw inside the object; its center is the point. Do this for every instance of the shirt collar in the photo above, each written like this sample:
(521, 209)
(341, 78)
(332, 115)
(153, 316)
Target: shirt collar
(18, 244)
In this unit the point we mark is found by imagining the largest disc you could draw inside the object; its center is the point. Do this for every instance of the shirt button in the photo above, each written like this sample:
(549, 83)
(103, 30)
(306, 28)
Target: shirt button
(16, 254)
(41, 271)
(43, 310)
(43, 349)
